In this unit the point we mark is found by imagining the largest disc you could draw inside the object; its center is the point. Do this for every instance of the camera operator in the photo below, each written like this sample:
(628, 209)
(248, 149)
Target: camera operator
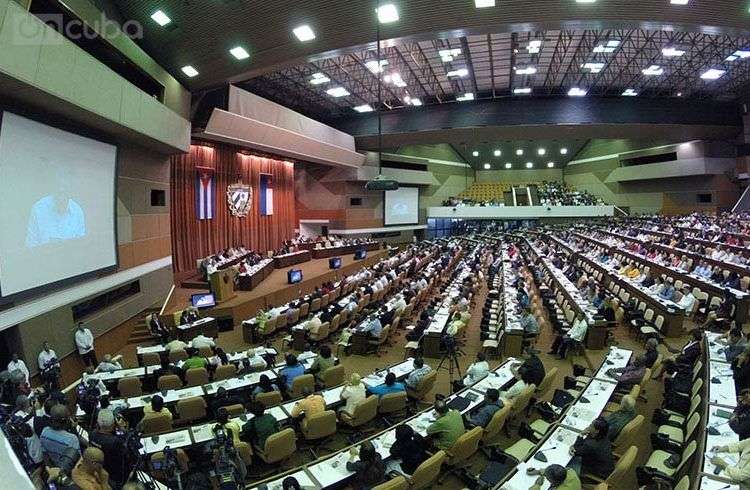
(227, 435)
(23, 423)
(58, 437)
(89, 474)
(115, 452)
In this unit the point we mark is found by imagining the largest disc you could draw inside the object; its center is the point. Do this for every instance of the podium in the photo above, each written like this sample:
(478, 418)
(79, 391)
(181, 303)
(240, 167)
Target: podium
(222, 285)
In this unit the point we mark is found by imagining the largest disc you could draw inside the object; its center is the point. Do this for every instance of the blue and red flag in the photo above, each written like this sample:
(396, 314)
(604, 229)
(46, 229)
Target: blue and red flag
(205, 192)
(266, 195)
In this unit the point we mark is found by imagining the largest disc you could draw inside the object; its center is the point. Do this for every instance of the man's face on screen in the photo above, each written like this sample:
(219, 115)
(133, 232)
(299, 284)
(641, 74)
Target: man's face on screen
(63, 190)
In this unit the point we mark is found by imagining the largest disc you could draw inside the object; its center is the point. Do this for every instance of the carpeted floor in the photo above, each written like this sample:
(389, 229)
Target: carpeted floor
(232, 341)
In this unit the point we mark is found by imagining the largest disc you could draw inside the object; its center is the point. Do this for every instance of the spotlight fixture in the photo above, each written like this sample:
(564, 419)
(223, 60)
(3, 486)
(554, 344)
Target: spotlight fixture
(337, 92)
(189, 71)
(363, 108)
(387, 13)
(475, 153)
(239, 52)
(160, 18)
(487, 166)
(304, 33)
(497, 153)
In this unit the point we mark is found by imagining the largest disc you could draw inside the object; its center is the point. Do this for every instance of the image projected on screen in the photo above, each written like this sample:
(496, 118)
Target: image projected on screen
(61, 223)
(402, 206)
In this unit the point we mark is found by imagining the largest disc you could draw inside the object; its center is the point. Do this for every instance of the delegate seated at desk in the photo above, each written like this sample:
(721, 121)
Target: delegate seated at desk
(373, 327)
(189, 315)
(292, 370)
(448, 427)
(492, 403)
(389, 386)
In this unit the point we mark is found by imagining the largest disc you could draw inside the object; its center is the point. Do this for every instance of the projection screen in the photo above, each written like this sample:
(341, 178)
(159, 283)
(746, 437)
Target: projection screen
(402, 206)
(58, 220)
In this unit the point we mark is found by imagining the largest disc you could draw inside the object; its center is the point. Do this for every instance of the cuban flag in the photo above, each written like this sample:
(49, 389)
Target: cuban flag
(205, 192)
(266, 195)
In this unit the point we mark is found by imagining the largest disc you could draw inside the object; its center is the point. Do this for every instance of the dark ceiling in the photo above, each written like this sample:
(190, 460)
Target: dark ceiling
(203, 31)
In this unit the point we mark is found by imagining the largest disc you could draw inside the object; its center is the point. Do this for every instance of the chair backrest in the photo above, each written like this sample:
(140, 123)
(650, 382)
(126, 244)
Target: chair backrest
(315, 305)
(300, 383)
(158, 458)
(155, 424)
(546, 383)
(465, 446)
(224, 372)
(293, 317)
(649, 315)
(196, 377)
(692, 423)
(659, 322)
(191, 409)
(683, 484)
(687, 454)
(128, 387)
(392, 402)
(324, 300)
(335, 323)
(628, 433)
(322, 332)
(320, 425)
(280, 446)
(235, 410)
(177, 355)
(623, 467)
(333, 376)
(398, 483)
(424, 386)
(428, 471)
(168, 382)
(270, 399)
(151, 359)
(205, 351)
(365, 411)
(496, 424)
(304, 309)
(522, 400)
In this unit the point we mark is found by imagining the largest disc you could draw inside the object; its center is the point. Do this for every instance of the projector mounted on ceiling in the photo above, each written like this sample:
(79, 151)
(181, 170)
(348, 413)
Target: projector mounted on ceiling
(381, 183)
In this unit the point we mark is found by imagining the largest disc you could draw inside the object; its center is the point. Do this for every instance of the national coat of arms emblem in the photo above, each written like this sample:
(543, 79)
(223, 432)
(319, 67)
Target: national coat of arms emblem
(240, 199)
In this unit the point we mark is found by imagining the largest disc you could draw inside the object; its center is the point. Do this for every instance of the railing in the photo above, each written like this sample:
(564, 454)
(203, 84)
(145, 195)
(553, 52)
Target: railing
(743, 203)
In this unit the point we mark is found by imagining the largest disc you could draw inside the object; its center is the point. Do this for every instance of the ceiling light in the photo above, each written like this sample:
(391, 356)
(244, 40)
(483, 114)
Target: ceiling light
(679, 94)
(613, 43)
(653, 70)
(520, 91)
(600, 48)
(407, 99)
(447, 55)
(160, 18)
(484, 3)
(541, 151)
(376, 67)
(497, 153)
(741, 53)
(529, 165)
(240, 53)
(318, 78)
(550, 164)
(461, 72)
(563, 151)
(712, 74)
(487, 166)
(387, 13)
(731, 57)
(679, 2)
(465, 97)
(629, 93)
(189, 71)
(585, 1)
(363, 108)
(304, 33)
(593, 67)
(508, 165)
(395, 79)
(416, 102)
(529, 70)
(519, 152)
(577, 92)
(337, 92)
(534, 46)
(475, 153)
(672, 52)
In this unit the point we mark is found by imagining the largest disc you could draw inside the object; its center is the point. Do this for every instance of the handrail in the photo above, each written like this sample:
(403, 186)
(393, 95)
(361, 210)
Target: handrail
(166, 301)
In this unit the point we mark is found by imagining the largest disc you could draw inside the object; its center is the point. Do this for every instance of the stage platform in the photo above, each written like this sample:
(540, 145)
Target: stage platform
(274, 290)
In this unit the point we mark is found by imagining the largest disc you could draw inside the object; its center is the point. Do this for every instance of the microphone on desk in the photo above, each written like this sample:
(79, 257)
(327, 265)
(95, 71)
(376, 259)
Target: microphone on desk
(539, 456)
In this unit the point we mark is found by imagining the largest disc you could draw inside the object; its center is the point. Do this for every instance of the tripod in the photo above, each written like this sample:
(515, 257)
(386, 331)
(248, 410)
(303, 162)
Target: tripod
(452, 366)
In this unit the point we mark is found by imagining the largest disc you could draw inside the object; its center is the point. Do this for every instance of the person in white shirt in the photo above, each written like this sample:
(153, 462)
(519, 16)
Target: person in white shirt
(517, 388)
(108, 365)
(575, 335)
(85, 344)
(313, 324)
(354, 393)
(255, 359)
(17, 364)
(400, 304)
(687, 301)
(176, 344)
(718, 254)
(477, 371)
(202, 341)
(49, 367)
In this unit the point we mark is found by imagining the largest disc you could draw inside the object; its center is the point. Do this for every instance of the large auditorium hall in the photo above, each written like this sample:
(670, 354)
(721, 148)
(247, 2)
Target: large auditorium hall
(375, 244)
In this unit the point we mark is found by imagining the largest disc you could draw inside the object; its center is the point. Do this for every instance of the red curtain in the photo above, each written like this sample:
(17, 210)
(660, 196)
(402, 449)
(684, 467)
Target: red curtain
(193, 238)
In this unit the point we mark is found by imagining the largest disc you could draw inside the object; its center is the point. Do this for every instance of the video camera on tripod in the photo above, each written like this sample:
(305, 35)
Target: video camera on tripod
(226, 471)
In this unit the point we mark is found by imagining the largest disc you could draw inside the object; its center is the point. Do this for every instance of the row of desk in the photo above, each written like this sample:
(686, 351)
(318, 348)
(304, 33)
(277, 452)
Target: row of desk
(326, 252)
(700, 241)
(742, 298)
(674, 316)
(292, 258)
(247, 281)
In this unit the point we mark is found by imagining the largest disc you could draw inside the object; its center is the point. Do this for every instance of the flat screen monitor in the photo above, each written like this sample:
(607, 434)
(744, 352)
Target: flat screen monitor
(203, 300)
(360, 254)
(294, 276)
(334, 263)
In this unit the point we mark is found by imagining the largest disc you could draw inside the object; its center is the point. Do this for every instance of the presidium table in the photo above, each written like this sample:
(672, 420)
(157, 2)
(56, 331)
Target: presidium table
(206, 326)
(325, 252)
(285, 260)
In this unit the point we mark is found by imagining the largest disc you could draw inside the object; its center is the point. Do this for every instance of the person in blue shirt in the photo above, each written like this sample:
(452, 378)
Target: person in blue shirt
(373, 326)
(523, 299)
(668, 291)
(292, 370)
(58, 444)
(390, 386)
